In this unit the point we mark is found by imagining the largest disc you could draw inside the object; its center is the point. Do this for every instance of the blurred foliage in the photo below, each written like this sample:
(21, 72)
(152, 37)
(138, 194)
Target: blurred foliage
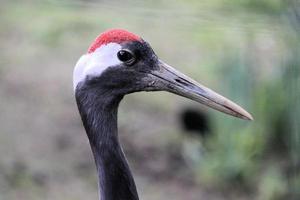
(263, 156)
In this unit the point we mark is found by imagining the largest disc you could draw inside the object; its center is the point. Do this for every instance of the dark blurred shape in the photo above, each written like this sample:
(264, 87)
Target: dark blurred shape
(195, 122)
(63, 142)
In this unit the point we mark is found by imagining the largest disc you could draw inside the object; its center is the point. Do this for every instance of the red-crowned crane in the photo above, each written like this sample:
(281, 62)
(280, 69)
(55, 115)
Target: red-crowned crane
(118, 63)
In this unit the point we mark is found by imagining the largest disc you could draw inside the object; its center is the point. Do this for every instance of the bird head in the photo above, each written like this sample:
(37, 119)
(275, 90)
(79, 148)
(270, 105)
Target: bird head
(120, 62)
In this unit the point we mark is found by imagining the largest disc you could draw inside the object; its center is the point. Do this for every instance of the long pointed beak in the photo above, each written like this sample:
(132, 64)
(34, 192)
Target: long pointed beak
(169, 79)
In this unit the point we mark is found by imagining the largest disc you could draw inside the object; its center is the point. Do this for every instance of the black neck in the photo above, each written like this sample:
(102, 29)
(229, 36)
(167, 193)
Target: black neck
(99, 116)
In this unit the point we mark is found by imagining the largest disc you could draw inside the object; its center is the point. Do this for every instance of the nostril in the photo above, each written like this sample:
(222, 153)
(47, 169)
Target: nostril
(181, 81)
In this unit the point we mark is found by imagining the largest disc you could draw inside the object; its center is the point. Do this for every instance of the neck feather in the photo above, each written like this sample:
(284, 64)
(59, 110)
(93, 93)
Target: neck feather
(99, 117)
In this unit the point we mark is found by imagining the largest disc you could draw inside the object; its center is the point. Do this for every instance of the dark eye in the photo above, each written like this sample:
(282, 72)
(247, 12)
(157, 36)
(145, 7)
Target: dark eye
(126, 56)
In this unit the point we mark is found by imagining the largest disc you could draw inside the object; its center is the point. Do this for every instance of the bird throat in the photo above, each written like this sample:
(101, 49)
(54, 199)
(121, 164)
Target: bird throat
(99, 117)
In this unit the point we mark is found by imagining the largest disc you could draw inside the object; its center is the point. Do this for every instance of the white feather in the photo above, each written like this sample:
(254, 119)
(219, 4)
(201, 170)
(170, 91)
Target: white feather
(95, 63)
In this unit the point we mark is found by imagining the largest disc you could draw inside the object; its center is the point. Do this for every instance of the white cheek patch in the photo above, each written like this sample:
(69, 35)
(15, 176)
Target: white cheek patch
(95, 63)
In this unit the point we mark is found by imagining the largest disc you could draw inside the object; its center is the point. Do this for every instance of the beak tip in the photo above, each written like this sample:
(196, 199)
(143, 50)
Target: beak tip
(247, 116)
(251, 118)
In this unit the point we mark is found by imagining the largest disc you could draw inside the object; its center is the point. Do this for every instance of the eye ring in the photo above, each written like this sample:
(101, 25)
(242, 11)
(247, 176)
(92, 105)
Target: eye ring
(126, 56)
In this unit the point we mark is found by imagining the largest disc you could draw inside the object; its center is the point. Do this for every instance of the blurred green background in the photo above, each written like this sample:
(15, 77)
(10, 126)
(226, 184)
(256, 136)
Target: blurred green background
(248, 50)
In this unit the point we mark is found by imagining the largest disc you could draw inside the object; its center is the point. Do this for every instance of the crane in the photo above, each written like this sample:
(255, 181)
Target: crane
(117, 63)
